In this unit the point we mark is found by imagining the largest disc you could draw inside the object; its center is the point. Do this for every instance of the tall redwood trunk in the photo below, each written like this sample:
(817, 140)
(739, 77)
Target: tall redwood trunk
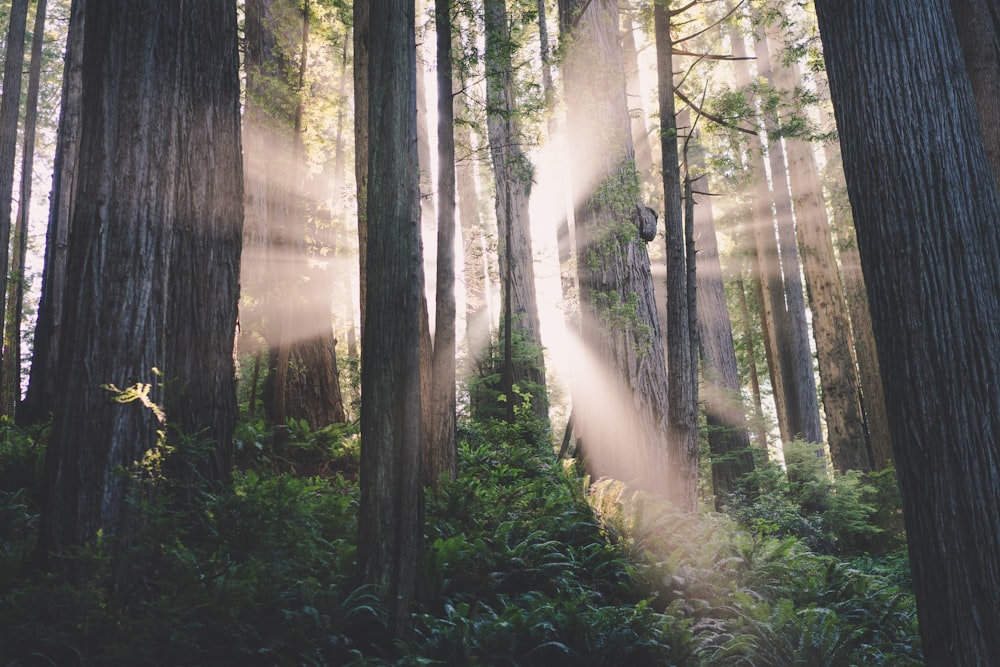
(927, 213)
(153, 272)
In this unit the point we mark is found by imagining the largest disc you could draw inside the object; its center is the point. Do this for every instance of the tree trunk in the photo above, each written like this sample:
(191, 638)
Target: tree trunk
(477, 318)
(45, 355)
(11, 359)
(390, 517)
(441, 457)
(636, 107)
(153, 272)
(928, 236)
(728, 439)
(800, 381)
(362, 36)
(759, 427)
(313, 379)
(513, 176)
(10, 106)
(830, 322)
(978, 24)
(620, 406)
(682, 366)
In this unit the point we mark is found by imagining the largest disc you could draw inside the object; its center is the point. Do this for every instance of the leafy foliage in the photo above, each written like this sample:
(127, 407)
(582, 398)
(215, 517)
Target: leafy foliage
(526, 564)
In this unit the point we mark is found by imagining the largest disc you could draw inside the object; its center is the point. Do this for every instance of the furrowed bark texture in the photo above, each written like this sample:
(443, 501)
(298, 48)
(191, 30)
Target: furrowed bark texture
(513, 175)
(620, 407)
(153, 271)
(391, 512)
(928, 220)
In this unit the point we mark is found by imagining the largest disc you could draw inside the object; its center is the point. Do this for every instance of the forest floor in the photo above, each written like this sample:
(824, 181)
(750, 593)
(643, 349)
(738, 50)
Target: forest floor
(526, 563)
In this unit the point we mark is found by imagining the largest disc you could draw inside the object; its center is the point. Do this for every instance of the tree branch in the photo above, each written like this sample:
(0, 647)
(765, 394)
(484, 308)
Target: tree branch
(719, 120)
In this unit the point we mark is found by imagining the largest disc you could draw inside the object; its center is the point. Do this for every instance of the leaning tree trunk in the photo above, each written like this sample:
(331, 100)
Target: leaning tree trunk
(11, 359)
(48, 328)
(390, 516)
(513, 176)
(929, 236)
(620, 406)
(153, 272)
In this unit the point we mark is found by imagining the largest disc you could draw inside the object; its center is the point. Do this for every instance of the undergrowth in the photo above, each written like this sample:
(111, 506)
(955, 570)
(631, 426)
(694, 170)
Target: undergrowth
(526, 564)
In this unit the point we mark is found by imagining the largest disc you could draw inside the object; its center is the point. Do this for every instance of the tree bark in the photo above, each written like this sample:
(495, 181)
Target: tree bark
(728, 438)
(800, 380)
(362, 11)
(978, 24)
(441, 455)
(849, 449)
(10, 106)
(513, 177)
(682, 362)
(11, 359)
(153, 272)
(38, 404)
(390, 520)
(929, 235)
(620, 408)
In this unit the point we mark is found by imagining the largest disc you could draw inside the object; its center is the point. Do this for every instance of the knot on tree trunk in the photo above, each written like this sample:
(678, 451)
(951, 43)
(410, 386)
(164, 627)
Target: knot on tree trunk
(645, 220)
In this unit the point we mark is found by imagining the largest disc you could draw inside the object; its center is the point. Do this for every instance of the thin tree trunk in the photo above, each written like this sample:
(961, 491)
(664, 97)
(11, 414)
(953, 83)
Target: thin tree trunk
(637, 113)
(759, 428)
(728, 439)
(682, 368)
(45, 356)
(362, 36)
(512, 173)
(10, 106)
(15, 299)
(441, 455)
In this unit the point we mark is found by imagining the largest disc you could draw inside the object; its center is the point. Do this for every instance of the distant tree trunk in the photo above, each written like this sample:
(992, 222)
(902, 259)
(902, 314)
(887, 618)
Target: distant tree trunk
(621, 418)
(313, 379)
(362, 11)
(390, 517)
(728, 439)
(929, 236)
(747, 339)
(153, 273)
(830, 321)
(10, 106)
(766, 264)
(11, 358)
(682, 361)
(441, 455)
(513, 174)
(477, 318)
(636, 108)
(801, 379)
(978, 24)
(45, 355)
